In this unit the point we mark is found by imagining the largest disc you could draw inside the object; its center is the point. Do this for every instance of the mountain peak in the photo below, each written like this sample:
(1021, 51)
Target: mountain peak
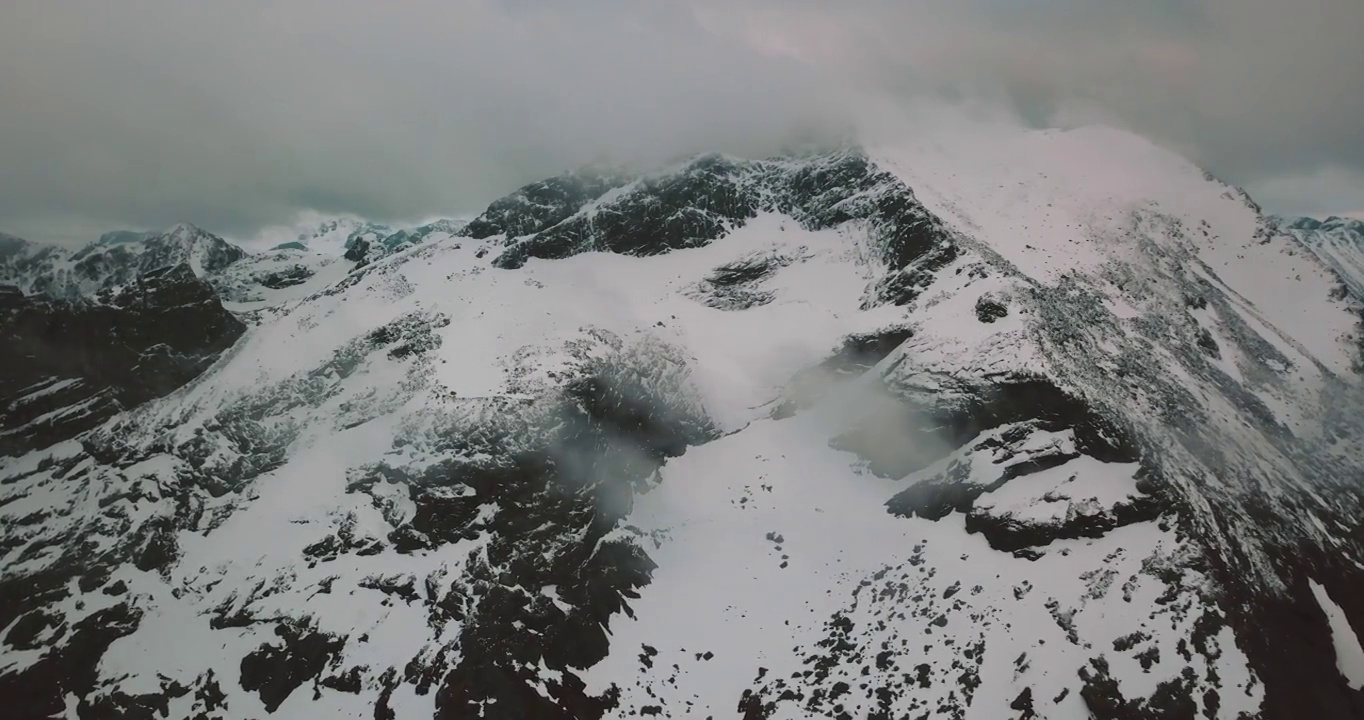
(854, 402)
(187, 232)
(1336, 222)
(182, 233)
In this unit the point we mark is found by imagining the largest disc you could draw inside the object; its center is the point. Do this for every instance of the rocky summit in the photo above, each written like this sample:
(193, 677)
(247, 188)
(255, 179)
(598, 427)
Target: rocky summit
(1026, 424)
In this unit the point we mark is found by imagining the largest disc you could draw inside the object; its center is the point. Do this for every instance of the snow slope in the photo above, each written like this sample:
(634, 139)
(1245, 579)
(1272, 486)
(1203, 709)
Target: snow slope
(1339, 242)
(1005, 424)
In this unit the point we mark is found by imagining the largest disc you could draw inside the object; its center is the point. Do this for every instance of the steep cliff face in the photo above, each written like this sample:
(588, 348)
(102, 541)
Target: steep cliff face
(710, 196)
(72, 364)
(975, 428)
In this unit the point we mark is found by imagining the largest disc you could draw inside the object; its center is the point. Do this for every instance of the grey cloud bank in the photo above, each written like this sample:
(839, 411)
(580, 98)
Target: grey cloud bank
(240, 115)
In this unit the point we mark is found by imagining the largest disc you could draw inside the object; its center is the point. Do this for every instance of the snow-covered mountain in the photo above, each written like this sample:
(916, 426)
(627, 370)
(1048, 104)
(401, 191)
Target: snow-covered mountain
(359, 240)
(1006, 425)
(244, 279)
(334, 236)
(365, 250)
(94, 331)
(1338, 241)
(114, 260)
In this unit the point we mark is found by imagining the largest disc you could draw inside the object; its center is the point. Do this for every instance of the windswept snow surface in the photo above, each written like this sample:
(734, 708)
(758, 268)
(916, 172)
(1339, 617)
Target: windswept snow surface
(1012, 424)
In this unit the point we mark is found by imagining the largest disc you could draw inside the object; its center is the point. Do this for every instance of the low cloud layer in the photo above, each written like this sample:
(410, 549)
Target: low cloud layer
(1265, 93)
(239, 115)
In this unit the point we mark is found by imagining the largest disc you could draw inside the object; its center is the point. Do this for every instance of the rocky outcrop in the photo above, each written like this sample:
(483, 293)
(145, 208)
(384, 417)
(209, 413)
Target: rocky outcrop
(1026, 436)
(712, 195)
(538, 206)
(69, 365)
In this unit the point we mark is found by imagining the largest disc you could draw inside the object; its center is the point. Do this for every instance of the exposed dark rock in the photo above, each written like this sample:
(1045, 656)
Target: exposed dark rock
(159, 546)
(275, 671)
(1208, 344)
(540, 205)
(1006, 533)
(612, 435)
(826, 191)
(156, 251)
(358, 252)
(1287, 638)
(861, 351)
(990, 309)
(740, 272)
(344, 541)
(936, 497)
(548, 510)
(1023, 407)
(1023, 704)
(737, 285)
(295, 275)
(89, 359)
(682, 209)
(120, 705)
(39, 691)
(712, 194)
(1105, 701)
(955, 414)
(118, 587)
(24, 634)
(403, 587)
(347, 682)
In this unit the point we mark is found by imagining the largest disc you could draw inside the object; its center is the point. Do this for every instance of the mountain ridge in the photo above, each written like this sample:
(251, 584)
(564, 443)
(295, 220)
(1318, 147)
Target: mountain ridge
(1339, 242)
(113, 260)
(971, 427)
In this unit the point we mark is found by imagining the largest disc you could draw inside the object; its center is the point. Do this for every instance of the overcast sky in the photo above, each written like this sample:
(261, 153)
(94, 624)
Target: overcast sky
(238, 115)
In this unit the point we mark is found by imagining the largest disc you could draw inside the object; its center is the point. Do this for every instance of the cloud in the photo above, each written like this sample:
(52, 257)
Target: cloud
(234, 115)
(1329, 190)
(1252, 89)
(239, 115)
